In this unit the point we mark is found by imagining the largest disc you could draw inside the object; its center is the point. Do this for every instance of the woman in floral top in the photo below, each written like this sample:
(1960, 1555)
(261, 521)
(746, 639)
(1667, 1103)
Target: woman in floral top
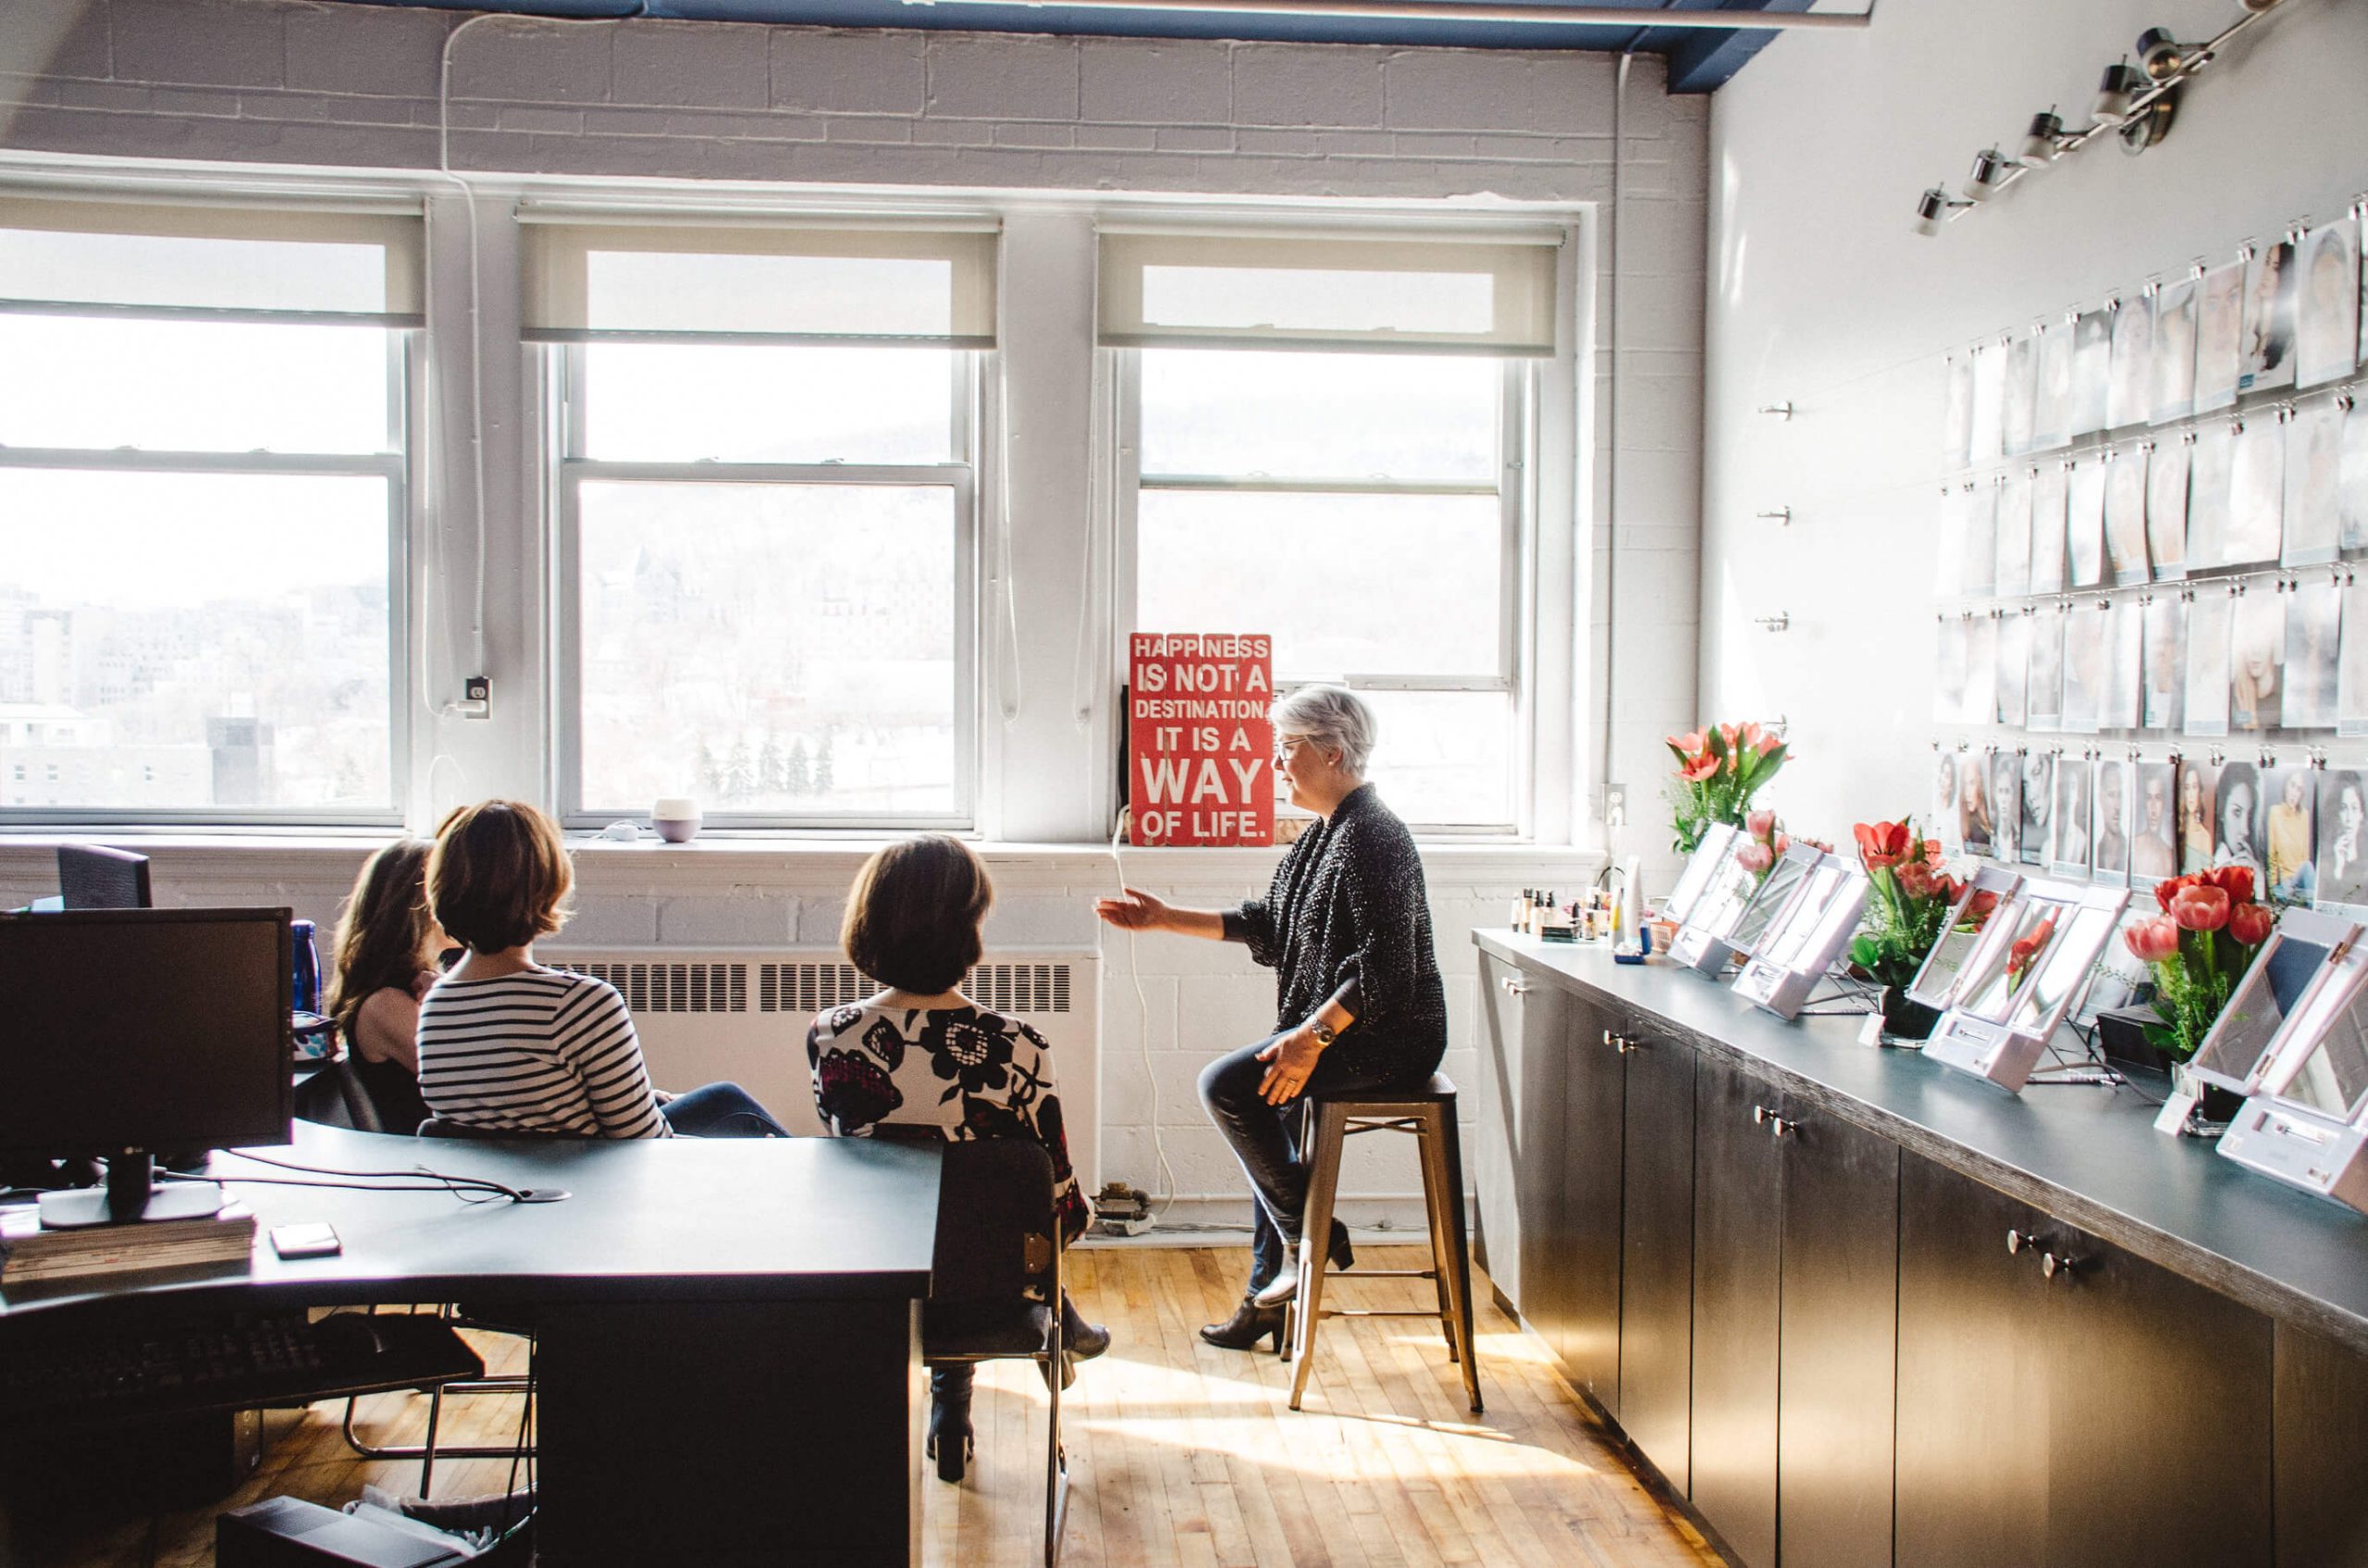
(921, 1060)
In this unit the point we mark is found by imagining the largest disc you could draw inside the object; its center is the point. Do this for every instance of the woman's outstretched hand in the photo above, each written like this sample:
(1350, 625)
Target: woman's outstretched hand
(1137, 911)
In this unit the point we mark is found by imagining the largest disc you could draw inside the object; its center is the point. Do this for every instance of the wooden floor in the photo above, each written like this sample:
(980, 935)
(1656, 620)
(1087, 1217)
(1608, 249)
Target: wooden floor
(1181, 1455)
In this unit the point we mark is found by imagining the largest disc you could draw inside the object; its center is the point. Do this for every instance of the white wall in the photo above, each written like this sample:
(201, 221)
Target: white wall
(1820, 294)
(1049, 128)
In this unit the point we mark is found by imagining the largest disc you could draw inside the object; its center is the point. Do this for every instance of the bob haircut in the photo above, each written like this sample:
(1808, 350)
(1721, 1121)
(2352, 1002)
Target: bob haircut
(913, 913)
(1334, 718)
(498, 876)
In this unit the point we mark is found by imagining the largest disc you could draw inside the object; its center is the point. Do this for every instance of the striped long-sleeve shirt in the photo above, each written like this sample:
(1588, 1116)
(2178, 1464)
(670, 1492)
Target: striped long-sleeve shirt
(543, 1051)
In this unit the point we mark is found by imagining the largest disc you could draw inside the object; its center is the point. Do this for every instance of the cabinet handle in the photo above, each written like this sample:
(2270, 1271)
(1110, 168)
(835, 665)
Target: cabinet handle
(1759, 1116)
(2016, 1241)
(1513, 987)
(1778, 1127)
(1628, 1042)
(1610, 1039)
(2051, 1266)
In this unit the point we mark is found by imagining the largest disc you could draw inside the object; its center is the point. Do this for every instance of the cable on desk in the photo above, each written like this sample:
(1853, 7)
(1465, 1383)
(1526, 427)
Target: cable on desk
(450, 1184)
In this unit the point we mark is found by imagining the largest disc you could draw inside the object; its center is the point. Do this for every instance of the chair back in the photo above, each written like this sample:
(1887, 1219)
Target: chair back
(438, 1127)
(997, 1234)
(333, 1095)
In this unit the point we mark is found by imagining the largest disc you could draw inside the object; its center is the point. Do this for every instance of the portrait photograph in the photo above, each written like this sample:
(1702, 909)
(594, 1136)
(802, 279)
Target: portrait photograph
(2327, 316)
(2070, 855)
(2219, 329)
(2173, 381)
(2092, 370)
(1944, 820)
(2013, 577)
(2314, 624)
(2199, 797)
(2110, 816)
(2044, 690)
(2154, 823)
(2238, 820)
(2013, 669)
(2125, 683)
(2288, 838)
(2049, 482)
(2038, 805)
(2126, 514)
(2351, 480)
(1948, 561)
(1980, 573)
(1988, 398)
(2084, 522)
(2265, 347)
(1948, 693)
(2207, 664)
(1980, 670)
(2256, 494)
(2052, 403)
(2166, 622)
(2351, 686)
(2211, 461)
(1956, 414)
(2127, 399)
(1974, 817)
(2343, 840)
(2087, 668)
(2020, 396)
(2167, 509)
(2313, 474)
(2006, 803)
(2256, 659)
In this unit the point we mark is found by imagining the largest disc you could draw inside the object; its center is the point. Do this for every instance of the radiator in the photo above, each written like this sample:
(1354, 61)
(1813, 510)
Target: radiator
(741, 1013)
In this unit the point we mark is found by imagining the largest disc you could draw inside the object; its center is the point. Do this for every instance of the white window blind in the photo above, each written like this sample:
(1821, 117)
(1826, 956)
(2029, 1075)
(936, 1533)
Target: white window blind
(623, 280)
(1399, 293)
(134, 259)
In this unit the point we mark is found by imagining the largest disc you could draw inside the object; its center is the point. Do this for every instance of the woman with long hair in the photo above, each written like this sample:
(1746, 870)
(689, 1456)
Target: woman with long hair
(386, 949)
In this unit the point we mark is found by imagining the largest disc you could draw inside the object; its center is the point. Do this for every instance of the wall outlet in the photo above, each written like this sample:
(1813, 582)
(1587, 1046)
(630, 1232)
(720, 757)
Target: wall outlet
(476, 697)
(1615, 806)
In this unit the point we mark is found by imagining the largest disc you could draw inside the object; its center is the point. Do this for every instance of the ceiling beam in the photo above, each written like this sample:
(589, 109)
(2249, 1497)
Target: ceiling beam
(1701, 62)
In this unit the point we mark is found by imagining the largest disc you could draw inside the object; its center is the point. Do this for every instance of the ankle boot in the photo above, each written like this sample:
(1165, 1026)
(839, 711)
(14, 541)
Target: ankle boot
(1081, 1341)
(1248, 1324)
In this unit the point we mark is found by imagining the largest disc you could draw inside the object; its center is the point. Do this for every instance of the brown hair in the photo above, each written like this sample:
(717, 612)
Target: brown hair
(382, 937)
(498, 875)
(913, 913)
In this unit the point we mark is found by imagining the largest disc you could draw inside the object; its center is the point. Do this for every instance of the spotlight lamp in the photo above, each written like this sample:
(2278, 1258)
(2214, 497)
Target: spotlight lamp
(2044, 140)
(1933, 207)
(2121, 82)
(1992, 169)
(2162, 57)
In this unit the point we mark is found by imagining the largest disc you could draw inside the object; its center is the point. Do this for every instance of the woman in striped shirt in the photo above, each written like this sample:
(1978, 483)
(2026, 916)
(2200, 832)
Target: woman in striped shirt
(508, 1045)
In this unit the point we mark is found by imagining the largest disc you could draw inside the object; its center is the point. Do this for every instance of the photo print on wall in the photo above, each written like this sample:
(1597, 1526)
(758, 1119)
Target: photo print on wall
(2018, 408)
(2006, 803)
(2153, 832)
(2126, 514)
(2051, 402)
(1989, 400)
(2167, 466)
(2046, 685)
(2125, 681)
(2049, 483)
(2199, 814)
(2238, 818)
(2086, 668)
(2219, 331)
(2039, 805)
(2256, 659)
(2109, 856)
(2070, 855)
(2014, 534)
(2314, 629)
(2266, 349)
(2255, 532)
(2084, 522)
(1943, 817)
(2165, 626)
(2343, 840)
(2313, 476)
(1974, 822)
(2207, 663)
(2132, 377)
(2092, 370)
(2173, 381)
(2326, 323)
(2014, 668)
(2351, 686)
(2285, 841)
(1956, 414)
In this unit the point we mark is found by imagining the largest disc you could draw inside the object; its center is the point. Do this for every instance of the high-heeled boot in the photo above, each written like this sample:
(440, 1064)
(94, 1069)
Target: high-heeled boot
(1248, 1324)
(950, 1442)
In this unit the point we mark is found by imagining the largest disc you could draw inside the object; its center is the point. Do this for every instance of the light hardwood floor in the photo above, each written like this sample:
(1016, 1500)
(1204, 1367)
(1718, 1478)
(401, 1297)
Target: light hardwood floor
(1181, 1455)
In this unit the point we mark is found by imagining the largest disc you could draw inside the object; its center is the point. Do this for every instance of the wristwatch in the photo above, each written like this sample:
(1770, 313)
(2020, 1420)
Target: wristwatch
(1325, 1033)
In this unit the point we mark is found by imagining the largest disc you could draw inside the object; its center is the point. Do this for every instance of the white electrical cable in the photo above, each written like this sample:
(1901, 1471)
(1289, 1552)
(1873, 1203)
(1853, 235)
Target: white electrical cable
(1142, 1040)
(477, 334)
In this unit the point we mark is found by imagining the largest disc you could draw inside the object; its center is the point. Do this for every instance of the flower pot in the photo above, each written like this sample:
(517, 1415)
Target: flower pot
(1905, 1019)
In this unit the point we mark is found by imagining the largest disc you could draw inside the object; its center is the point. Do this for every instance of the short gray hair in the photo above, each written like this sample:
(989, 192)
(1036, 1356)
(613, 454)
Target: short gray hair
(1334, 719)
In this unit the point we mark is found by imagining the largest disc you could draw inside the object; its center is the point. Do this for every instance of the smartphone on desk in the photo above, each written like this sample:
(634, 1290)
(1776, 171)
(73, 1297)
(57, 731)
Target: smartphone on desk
(318, 1241)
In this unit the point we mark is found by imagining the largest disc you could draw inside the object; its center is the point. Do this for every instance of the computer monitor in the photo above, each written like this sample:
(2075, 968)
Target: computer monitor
(92, 876)
(132, 1032)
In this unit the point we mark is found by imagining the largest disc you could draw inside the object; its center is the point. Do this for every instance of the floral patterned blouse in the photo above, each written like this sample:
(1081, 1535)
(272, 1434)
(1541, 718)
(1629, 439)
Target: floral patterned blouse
(954, 1073)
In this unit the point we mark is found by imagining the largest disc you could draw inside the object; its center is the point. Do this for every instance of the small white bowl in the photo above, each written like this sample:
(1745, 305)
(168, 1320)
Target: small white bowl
(676, 819)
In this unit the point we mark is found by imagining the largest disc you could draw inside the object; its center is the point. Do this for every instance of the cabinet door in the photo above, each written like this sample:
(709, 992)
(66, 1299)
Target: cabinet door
(1841, 1270)
(2158, 1417)
(1970, 1471)
(2320, 1413)
(1594, 1115)
(1497, 1122)
(1737, 1257)
(1657, 1256)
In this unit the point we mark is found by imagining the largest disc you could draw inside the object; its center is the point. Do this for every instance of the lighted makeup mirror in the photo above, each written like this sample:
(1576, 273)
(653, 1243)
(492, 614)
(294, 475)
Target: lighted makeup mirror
(1935, 982)
(1802, 942)
(2023, 972)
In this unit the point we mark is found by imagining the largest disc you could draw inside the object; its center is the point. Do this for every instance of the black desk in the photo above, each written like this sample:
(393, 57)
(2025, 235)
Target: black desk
(728, 1328)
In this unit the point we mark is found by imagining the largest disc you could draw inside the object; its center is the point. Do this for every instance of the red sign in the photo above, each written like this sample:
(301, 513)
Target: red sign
(1200, 747)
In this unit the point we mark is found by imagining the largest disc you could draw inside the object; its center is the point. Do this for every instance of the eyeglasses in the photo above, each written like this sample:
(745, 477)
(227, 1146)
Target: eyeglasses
(1284, 743)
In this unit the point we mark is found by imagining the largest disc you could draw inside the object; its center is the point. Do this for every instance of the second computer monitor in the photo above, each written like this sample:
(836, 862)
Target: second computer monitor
(92, 876)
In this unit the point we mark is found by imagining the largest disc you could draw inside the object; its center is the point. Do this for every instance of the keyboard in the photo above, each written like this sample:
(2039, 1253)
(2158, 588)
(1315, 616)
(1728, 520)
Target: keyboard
(223, 1361)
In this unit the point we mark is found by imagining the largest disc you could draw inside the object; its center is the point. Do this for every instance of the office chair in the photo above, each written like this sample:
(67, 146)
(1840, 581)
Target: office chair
(92, 876)
(996, 1282)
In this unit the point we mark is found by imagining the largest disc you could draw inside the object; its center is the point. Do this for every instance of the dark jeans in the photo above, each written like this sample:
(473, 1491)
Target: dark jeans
(720, 1110)
(1266, 1140)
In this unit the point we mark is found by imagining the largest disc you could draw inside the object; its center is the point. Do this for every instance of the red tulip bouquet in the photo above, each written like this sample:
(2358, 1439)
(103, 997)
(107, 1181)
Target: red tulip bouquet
(2200, 947)
(1908, 902)
(1719, 770)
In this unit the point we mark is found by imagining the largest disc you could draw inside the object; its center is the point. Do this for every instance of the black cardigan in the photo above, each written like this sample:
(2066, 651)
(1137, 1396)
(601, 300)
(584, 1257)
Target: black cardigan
(1348, 915)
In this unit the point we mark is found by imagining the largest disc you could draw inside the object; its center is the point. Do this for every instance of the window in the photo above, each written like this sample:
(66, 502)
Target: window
(766, 511)
(1328, 440)
(202, 501)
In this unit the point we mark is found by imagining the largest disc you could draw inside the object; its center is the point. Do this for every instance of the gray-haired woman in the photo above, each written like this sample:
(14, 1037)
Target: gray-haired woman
(1347, 927)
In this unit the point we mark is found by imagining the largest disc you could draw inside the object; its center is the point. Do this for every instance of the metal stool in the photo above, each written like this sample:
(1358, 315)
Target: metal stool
(1429, 1114)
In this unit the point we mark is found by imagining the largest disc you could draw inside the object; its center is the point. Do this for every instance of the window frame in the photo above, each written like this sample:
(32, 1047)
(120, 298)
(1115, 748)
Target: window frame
(405, 356)
(562, 378)
(1517, 469)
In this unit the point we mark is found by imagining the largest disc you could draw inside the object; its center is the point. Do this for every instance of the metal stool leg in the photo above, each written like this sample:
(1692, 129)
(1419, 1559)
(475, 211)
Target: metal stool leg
(1450, 1183)
(427, 1445)
(1315, 1240)
(1430, 1141)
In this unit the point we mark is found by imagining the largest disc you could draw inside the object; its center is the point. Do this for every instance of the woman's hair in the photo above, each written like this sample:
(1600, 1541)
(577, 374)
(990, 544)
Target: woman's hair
(498, 875)
(382, 937)
(913, 913)
(1332, 717)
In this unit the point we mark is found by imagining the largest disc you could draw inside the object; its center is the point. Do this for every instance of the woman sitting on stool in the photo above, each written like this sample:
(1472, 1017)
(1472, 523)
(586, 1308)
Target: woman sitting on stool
(388, 946)
(1347, 927)
(509, 1046)
(921, 1060)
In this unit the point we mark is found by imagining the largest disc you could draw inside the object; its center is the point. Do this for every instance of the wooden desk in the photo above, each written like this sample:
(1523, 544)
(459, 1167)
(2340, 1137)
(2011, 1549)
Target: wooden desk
(729, 1350)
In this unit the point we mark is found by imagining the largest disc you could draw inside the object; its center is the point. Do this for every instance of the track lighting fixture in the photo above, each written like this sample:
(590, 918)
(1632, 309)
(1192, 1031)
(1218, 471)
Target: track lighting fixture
(1933, 207)
(1992, 169)
(2118, 90)
(2045, 138)
(2162, 57)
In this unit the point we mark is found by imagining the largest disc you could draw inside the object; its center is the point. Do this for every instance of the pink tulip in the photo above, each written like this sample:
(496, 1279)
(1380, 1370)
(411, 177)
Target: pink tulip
(1754, 857)
(2153, 941)
(1759, 824)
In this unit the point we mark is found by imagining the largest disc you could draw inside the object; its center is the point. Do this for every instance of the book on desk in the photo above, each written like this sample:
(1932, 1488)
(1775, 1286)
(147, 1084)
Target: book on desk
(29, 1251)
